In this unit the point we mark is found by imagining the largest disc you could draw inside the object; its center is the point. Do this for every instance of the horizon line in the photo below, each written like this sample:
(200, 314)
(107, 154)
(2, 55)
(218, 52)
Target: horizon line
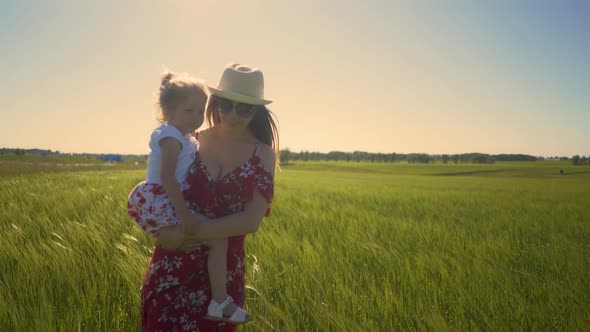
(309, 151)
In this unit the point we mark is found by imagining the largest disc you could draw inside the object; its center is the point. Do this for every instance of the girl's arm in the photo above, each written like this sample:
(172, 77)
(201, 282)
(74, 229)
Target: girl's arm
(170, 148)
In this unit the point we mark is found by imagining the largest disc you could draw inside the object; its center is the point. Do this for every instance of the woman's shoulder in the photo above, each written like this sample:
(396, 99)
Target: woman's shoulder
(267, 156)
(264, 150)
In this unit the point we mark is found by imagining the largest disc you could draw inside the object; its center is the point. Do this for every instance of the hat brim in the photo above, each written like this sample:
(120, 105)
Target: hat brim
(240, 98)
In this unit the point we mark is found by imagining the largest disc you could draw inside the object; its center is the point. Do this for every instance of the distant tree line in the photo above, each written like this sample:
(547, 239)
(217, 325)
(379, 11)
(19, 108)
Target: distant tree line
(22, 152)
(581, 161)
(357, 156)
(102, 157)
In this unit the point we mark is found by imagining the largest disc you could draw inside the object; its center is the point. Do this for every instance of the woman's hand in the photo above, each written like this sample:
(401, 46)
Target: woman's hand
(192, 240)
(171, 237)
(176, 237)
(192, 244)
(191, 224)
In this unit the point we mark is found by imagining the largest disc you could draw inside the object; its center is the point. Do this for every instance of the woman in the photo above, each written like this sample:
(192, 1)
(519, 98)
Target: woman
(232, 185)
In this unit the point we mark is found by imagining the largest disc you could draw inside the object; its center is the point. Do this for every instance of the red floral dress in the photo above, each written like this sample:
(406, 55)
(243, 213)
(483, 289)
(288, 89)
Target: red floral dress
(176, 289)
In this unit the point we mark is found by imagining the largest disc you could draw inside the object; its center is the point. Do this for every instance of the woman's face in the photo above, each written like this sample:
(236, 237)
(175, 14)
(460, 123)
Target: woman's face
(235, 115)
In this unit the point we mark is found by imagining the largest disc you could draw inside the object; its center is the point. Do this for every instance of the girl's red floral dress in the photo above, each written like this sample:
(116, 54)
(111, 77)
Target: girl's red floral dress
(175, 291)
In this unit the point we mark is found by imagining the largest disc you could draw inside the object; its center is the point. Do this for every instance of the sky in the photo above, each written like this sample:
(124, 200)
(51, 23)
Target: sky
(378, 76)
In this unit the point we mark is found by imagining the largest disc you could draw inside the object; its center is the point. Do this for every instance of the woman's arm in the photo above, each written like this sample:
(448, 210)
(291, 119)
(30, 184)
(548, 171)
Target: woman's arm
(244, 222)
(240, 223)
(174, 238)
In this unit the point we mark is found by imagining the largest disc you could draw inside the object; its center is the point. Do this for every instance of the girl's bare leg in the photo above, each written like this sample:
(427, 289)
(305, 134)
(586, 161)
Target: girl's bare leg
(217, 266)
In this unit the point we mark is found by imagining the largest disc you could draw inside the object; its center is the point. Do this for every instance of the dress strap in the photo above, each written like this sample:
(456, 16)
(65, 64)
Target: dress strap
(255, 152)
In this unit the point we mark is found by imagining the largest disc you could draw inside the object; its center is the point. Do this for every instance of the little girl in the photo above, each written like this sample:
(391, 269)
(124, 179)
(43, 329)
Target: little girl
(159, 201)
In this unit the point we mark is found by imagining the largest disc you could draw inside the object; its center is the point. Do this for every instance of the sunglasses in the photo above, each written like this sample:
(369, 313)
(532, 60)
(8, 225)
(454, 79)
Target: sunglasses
(243, 110)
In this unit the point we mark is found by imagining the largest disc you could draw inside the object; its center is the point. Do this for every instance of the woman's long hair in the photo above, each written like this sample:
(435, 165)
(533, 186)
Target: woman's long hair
(262, 125)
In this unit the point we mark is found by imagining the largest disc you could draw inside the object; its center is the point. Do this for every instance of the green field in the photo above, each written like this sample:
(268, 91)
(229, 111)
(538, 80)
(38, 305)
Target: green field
(348, 247)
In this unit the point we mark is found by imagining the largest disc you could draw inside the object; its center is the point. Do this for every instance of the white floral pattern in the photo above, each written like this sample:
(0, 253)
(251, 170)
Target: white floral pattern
(149, 205)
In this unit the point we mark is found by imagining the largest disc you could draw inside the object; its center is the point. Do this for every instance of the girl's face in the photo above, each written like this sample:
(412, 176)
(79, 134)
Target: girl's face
(189, 115)
(235, 115)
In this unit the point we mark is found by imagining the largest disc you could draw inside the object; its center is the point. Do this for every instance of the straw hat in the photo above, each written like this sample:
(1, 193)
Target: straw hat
(242, 84)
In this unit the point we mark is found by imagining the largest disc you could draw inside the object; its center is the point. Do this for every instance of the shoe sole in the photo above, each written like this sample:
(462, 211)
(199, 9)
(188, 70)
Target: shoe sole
(217, 319)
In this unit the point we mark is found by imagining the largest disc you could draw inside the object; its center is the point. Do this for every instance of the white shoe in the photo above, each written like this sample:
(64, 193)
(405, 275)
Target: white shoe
(215, 312)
